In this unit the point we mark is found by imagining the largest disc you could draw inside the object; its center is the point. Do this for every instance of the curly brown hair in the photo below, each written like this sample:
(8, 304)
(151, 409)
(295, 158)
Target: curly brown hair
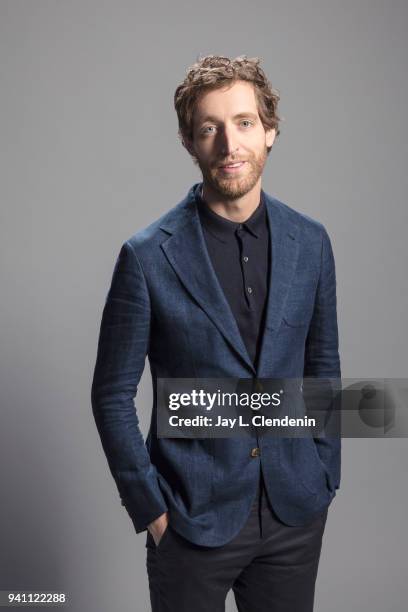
(213, 72)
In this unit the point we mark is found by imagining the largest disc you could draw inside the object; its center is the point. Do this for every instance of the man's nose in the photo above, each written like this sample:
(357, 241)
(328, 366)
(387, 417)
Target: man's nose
(228, 141)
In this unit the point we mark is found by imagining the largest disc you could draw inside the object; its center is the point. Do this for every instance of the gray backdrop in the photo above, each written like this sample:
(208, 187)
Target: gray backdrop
(89, 155)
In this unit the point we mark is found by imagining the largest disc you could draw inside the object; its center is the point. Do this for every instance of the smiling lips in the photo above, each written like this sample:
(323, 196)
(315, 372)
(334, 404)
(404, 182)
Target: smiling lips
(235, 167)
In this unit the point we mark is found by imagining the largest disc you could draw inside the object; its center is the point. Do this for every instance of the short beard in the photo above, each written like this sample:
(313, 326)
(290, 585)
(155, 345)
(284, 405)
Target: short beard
(232, 188)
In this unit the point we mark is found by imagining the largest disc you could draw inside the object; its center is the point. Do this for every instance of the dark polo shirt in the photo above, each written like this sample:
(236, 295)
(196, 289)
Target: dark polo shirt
(240, 256)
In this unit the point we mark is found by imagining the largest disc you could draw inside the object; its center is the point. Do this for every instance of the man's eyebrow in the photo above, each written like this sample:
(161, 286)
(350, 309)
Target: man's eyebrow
(238, 116)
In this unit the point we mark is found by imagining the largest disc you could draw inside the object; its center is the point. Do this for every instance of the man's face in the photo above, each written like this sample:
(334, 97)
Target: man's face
(228, 129)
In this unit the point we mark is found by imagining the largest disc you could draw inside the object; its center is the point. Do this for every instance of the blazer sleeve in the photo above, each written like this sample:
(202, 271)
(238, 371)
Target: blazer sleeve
(322, 361)
(122, 348)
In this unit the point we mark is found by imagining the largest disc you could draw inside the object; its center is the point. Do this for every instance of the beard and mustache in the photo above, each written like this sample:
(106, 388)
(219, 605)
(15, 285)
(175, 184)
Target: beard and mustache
(233, 186)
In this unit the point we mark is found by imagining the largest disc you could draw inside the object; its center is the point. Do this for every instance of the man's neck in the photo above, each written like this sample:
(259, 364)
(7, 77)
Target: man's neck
(239, 209)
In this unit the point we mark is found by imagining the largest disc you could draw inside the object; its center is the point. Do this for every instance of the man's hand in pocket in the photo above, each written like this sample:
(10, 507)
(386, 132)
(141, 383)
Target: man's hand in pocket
(158, 527)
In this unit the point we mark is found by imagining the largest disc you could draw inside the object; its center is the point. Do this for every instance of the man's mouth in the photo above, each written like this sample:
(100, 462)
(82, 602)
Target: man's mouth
(233, 167)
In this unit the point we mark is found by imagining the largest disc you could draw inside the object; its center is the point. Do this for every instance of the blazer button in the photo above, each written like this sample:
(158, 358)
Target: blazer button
(255, 452)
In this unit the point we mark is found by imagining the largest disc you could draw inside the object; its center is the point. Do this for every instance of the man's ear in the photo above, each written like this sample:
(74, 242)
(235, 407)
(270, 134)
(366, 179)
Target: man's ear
(270, 137)
(188, 144)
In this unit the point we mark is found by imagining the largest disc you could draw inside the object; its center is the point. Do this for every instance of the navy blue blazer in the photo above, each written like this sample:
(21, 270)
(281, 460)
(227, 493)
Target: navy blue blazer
(165, 302)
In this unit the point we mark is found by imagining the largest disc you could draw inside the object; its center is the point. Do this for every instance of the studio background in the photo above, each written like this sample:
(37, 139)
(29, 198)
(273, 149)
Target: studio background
(90, 155)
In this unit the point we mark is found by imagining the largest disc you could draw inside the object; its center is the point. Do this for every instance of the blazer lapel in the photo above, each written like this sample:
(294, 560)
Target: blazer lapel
(284, 253)
(187, 253)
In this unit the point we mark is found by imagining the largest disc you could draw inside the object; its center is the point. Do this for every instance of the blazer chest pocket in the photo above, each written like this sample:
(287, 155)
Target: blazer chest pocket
(298, 314)
(299, 306)
(295, 320)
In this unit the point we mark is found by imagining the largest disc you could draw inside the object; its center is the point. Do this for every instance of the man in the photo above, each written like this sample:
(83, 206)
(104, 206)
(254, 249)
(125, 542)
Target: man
(233, 283)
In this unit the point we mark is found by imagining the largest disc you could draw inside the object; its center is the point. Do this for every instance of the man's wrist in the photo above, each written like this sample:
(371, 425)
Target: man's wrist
(158, 522)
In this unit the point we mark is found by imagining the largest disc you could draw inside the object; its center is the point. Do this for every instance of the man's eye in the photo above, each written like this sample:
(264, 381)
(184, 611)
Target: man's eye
(212, 127)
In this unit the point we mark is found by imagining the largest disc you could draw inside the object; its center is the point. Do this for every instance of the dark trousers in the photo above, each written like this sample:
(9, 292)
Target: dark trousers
(270, 566)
